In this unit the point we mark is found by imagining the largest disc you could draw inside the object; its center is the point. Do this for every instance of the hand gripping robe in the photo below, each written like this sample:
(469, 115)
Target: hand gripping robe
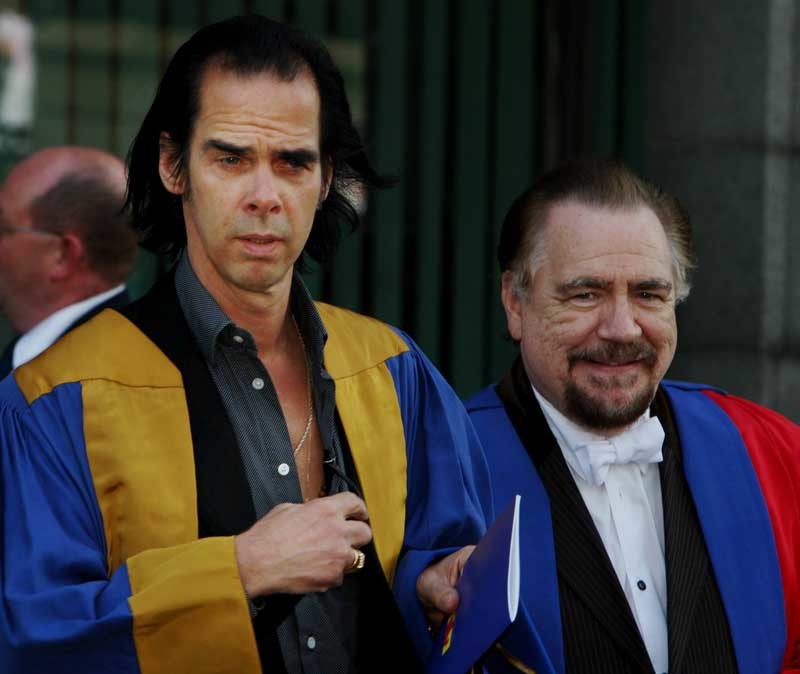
(101, 566)
(741, 463)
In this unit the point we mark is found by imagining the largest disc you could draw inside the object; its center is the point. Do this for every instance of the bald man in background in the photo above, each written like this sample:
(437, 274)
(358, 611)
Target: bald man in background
(66, 247)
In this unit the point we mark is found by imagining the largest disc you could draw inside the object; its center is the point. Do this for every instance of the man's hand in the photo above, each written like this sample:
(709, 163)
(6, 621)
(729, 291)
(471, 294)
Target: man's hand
(299, 548)
(436, 586)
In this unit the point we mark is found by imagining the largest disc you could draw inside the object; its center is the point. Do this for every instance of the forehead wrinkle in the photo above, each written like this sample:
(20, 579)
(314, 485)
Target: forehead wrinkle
(260, 111)
(576, 254)
(611, 266)
(267, 127)
(571, 223)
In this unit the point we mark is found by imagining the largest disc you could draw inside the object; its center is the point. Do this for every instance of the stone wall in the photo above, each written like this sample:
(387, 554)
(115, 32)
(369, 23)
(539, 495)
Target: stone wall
(721, 133)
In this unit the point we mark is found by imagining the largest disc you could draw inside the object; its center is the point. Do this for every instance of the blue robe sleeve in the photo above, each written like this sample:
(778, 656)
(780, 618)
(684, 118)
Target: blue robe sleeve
(60, 611)
(449, 495)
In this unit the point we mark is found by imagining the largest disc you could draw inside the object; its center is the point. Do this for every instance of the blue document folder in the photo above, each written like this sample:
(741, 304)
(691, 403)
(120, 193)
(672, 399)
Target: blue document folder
(489, 598)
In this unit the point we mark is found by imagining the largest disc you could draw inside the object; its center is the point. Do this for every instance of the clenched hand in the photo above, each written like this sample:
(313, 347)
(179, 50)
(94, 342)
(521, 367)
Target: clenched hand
(302, 547)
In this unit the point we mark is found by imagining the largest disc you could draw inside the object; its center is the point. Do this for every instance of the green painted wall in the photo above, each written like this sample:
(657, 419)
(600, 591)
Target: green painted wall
(464, 101)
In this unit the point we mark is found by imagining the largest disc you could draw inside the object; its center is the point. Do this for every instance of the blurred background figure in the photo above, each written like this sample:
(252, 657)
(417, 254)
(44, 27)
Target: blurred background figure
(17, 93)
(66, 246)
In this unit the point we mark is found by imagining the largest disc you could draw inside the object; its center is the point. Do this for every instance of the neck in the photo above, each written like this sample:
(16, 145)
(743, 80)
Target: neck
(265, 315)
(33, 313)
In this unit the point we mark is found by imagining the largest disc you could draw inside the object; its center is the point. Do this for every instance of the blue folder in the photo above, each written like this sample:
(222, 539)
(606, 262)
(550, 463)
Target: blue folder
(489, 598)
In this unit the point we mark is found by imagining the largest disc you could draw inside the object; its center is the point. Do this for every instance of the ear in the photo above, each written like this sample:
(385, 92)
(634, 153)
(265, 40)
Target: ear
(167, 166)
(512, 303)
(69, 257)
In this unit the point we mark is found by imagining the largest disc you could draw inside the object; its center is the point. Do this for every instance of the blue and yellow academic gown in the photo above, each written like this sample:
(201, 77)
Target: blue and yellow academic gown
(742, 465)
(101, 566)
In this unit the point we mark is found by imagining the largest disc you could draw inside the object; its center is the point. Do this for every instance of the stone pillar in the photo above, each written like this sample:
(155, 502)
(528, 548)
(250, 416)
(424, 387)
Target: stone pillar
(721, 128)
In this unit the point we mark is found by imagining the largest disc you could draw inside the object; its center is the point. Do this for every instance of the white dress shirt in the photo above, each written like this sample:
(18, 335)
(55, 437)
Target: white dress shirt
(43, 334)
(628, 514)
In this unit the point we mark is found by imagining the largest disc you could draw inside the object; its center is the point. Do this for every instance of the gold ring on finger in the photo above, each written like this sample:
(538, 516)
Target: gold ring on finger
(358, 560)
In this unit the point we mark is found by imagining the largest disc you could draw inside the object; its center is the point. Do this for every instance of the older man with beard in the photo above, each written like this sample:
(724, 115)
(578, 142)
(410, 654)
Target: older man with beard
(661, 521)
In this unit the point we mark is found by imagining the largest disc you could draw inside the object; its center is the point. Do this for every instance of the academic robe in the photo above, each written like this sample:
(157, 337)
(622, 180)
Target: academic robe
(742, 465)
(101, 565)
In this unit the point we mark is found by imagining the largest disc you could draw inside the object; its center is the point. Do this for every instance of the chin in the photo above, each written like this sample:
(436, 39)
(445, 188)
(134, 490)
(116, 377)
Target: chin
(603, 410)
(258, 280)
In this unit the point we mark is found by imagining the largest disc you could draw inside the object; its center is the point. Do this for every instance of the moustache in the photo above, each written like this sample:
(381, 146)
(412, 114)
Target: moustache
(615, 353)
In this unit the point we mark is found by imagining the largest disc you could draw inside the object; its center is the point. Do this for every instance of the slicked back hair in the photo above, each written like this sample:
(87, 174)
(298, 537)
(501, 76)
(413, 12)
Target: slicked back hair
(599, 183)
(91, 205)
(245, 46)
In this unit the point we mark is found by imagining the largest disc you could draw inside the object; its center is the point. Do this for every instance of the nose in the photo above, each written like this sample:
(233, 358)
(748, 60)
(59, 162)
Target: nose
(619, 321)
(263, 197)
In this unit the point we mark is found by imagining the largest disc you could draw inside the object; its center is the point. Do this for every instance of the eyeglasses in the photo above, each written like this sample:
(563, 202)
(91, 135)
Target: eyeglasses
(6, 230)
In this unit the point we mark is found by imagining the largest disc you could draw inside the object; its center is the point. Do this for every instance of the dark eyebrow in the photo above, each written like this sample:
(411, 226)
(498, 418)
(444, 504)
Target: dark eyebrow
(300, 157)
(652, 284)
(224, 146)
(587, 283)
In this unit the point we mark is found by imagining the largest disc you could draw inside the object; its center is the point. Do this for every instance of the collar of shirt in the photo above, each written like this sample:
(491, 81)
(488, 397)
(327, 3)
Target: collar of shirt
(43, 334)
(570, 436)
(209, 323)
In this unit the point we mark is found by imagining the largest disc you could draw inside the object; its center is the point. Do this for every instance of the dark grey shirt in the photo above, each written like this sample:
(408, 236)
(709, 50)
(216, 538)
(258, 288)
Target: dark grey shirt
(320, 634)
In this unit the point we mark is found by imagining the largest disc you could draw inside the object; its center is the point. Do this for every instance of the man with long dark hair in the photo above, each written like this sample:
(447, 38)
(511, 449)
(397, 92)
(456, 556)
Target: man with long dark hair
(226, 476)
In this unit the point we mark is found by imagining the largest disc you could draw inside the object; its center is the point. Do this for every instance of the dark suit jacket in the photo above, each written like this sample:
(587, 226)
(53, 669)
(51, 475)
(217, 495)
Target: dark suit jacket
(114, 302)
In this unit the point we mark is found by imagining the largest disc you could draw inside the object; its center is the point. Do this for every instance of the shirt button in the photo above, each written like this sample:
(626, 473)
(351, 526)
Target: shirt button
(641, 585)
(238, 339)
(258, 383)
(283, 469)
(311, 642)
